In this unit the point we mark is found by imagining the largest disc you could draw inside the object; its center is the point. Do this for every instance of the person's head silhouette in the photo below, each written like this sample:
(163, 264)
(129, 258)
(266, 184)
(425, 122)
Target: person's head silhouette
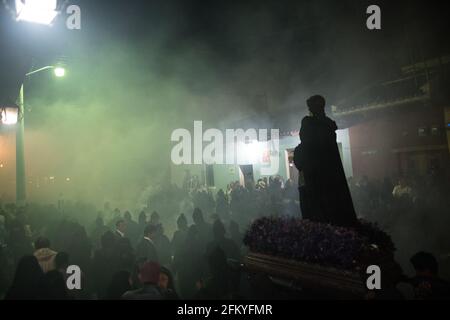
(218, 230)
(316, 105)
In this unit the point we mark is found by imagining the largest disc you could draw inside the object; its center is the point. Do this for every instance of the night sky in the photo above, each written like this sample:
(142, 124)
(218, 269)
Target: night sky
(259, 47)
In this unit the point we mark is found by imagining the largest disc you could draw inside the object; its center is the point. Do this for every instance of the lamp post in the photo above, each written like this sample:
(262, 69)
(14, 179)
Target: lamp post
(21, 182)
(40, 12)
(20, 156)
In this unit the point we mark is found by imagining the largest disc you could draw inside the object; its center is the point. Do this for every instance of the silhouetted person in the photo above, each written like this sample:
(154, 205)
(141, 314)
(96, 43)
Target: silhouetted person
(190, 263)
(222, 208)
(98, 231)
(53, 286)
(61, 265)
(204, 229)
(228, 246)
(126, 254)
(20, 242)
(426, 283)
(167, 285)
(132, 231)
(80, 247)
(154, 218)
(325, 196)
(219, 285)
(162, 244)
(44, 255)
(3, 232)
(179, 236)
(120, 283)
(115, 218)
(27, 280)
(149, 277)
(121, 228)
(392, 285)
(142, 222)
(61, 262)
(235, 234)
(105, 263)
(146, 248)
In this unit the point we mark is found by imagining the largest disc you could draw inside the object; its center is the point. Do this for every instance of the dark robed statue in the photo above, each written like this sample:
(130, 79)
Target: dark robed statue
(324, 193)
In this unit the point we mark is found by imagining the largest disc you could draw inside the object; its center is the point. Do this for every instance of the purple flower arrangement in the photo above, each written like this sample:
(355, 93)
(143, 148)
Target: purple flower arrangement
(318, 243)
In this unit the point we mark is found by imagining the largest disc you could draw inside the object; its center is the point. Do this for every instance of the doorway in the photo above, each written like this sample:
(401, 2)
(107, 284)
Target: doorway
(246, 176)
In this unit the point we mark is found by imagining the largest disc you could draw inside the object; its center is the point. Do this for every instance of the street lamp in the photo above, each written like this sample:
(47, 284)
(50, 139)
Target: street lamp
(36, 11)
(42, 12)
(20, 153)
(59, 72)
(9, 115)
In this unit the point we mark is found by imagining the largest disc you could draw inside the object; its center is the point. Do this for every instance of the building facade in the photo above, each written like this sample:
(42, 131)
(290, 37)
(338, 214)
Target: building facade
(251, 158)
(401, 127)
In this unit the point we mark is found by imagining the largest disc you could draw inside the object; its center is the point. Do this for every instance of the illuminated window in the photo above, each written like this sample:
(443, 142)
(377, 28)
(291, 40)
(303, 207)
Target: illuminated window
(434, 130)
(422, 131)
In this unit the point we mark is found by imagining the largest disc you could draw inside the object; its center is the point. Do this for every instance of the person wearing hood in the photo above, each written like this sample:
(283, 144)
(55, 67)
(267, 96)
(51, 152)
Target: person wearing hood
(27, 282)
(324, 193)
(44, 255)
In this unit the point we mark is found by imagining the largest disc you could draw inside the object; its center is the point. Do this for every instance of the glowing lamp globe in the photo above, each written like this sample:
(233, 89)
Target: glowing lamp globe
(59, 72)
(36, 11)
